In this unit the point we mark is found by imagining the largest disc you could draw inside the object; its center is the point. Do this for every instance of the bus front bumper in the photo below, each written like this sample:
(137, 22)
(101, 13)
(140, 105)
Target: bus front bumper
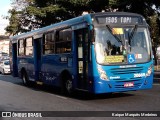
(102, 86)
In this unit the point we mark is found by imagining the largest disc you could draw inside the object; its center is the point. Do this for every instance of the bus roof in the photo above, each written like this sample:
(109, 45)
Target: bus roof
(60, 25)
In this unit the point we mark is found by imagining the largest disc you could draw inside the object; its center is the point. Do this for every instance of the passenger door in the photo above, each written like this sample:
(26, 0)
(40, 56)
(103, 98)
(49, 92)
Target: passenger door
(37, 58)
(13, 59)
(82, 51)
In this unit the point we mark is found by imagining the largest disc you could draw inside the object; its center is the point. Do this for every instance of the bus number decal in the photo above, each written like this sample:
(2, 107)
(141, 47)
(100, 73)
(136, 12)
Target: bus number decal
(63, 59)
(111, 19)
(139, 75)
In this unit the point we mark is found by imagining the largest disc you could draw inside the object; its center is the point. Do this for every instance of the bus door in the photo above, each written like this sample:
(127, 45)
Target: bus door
(37, 58)
(13, 59)
(82, 57)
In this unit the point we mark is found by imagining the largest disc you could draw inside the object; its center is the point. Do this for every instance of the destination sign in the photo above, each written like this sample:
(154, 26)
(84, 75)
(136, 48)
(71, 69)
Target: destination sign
(118, 20)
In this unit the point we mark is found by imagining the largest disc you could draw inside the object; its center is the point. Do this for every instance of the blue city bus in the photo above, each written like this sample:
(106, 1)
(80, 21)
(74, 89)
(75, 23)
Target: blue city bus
(99, 53)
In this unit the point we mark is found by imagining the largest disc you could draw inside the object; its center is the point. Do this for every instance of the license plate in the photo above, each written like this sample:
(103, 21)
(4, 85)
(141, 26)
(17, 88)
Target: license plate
(129, 84)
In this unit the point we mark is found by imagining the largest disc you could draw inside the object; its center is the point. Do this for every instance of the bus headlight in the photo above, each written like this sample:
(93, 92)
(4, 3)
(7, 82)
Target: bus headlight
(149, 71)
(102, 74)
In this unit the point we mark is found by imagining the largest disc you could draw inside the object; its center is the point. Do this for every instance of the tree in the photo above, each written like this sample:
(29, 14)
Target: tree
(143, 7)
(154, 23)
(14, 24)
(52, 11)
(40, 13)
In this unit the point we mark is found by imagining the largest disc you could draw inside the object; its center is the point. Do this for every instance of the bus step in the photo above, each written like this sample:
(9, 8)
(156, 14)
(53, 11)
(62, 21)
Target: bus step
(82, 90)
(39, 83)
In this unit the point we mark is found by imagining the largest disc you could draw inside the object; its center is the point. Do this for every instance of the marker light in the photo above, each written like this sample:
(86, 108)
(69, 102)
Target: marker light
(102, 74)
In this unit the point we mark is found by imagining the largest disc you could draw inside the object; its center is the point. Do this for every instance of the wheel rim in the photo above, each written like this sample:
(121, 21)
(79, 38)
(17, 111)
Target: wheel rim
(69, 85)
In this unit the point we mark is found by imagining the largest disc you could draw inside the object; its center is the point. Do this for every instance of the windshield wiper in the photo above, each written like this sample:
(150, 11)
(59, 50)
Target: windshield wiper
(132, 34)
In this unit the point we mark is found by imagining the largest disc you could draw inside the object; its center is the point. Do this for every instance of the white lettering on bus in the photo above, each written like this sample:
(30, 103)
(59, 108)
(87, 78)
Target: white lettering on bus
(126, 20)
(111, 19)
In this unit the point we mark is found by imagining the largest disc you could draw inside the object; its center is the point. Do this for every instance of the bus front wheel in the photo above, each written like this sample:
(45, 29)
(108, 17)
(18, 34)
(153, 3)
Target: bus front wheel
(68, 86)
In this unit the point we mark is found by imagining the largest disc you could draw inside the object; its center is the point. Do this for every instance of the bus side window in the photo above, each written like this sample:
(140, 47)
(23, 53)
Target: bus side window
(63, 41)
(49, 43)
(29, 47)
(21, 46)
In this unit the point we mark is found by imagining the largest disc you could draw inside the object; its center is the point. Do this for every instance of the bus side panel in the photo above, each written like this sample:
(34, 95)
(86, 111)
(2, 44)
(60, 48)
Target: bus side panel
(27, 64)
(21, 65)
(91, 67)
(48, 69)
(30, 68)
(52, 66)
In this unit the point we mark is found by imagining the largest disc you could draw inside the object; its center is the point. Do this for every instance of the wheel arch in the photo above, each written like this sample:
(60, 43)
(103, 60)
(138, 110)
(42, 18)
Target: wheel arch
(65, 74)
(23, 70)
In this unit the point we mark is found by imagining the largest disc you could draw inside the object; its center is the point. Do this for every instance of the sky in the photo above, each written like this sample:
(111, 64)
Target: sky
(5, 5)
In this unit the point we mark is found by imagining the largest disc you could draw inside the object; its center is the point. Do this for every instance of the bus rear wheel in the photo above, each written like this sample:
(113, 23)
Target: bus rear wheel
(25, 78)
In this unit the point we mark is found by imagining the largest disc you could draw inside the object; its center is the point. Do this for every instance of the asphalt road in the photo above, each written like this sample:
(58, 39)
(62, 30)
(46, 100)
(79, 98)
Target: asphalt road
(16, 97)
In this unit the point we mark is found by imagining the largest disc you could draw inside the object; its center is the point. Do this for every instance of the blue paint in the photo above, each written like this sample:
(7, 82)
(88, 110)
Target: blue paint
(131, 58)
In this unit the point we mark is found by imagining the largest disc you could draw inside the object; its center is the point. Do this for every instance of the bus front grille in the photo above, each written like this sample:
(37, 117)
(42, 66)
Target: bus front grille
(126, 76)
(128, 80)
(118, 71)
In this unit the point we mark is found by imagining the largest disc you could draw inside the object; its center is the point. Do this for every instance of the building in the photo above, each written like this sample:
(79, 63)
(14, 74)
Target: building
(4, 44)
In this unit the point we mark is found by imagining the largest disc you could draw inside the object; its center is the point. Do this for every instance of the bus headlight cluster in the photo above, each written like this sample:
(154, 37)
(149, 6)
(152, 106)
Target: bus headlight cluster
(102, 74)
(149, 71)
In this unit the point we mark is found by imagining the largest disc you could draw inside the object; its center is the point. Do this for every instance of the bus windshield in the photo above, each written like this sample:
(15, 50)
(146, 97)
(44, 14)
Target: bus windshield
(116, 45)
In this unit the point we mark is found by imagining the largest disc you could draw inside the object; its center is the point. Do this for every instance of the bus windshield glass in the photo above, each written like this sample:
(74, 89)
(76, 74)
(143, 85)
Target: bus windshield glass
(117, 45)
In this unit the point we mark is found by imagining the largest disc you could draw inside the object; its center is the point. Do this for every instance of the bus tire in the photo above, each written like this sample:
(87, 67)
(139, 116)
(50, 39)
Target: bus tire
(69, 86)
(66, 83)
(25, 79)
